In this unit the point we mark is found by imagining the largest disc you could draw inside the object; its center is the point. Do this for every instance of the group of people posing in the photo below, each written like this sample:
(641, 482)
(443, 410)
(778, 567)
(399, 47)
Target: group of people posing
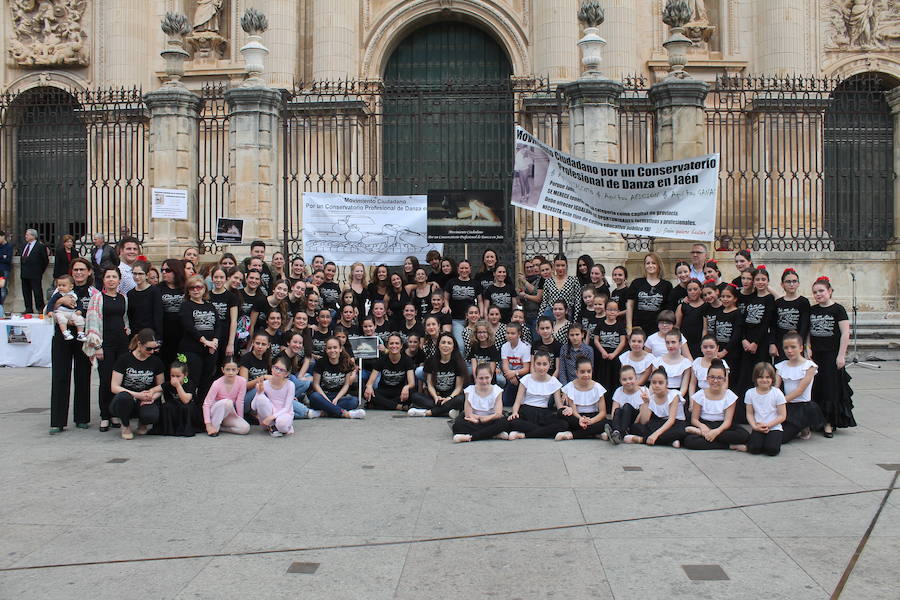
(699, 363)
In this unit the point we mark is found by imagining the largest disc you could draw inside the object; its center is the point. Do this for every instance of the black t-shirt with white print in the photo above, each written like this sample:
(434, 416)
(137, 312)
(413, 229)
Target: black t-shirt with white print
(138, 375)
(256, 367)
(824, 332)
(444, 377)
(331, 377)
(393, 375)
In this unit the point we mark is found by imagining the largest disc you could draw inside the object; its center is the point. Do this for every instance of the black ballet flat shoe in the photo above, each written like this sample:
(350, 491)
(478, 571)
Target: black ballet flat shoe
(104, 427)
(115, 425)
(828, 434)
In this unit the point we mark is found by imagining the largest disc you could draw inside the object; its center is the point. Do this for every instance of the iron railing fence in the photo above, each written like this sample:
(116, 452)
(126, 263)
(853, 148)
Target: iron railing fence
(73, 163)
(214, 164)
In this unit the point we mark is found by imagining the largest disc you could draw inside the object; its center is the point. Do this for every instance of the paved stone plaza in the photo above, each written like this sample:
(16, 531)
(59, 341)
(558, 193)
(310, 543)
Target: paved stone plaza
(360, 503)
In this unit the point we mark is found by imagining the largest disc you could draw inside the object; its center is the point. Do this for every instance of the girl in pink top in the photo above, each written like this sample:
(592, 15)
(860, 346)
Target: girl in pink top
(223, 408)
(274, 400)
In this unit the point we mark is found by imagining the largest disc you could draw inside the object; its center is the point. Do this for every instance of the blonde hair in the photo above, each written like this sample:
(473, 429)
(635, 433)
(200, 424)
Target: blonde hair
(365, 276)
(659, 264)
(194, 280)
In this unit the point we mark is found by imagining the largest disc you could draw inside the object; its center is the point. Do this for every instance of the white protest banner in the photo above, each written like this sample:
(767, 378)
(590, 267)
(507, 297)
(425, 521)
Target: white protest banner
(675, 199)
(349, 228)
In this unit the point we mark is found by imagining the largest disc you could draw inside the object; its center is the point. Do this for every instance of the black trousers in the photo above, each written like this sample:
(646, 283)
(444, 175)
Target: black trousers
(126, 407)
(675, 433)
(733, 435)
(537, 422)
(387, 399)
(480, 431)
(425, 401)
(574, 426)
(66, 356)
(33, 288)
(111, 353)
(171, 340)
(202, 369)
(768, 443)
(624, 418)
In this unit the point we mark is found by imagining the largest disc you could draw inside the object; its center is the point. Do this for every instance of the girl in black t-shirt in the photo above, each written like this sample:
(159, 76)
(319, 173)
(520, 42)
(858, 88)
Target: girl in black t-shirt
(679, 290)
(620, 292)
(255, 366)
(333, 377)
(648, 295)
(445, 378)
(791, 314)
(226, 305)
(180, 413)
(397, 380)
(609, 343)
(729, 322)
(397, 298)
(171, 290)
(440, 311)
(759, 308)
(462, 292)
(690, 317)
(136, 383)
(829, 336)
(499, 293)
(483, 351)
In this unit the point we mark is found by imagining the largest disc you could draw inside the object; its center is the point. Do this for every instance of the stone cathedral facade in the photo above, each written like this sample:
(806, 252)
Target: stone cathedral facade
(799, 96)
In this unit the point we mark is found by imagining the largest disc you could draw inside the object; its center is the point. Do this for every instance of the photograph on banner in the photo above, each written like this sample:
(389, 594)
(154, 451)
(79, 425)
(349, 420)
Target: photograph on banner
(168, 204)
(229, 231)
(674, 199)
(466, 215)
(364, 346)
(18, 334)
(351, 228)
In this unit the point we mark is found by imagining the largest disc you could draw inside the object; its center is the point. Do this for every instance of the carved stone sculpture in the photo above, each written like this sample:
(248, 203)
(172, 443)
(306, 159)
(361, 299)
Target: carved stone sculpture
(864, 24)
(206, 41)
(699, 28)
(48, 33)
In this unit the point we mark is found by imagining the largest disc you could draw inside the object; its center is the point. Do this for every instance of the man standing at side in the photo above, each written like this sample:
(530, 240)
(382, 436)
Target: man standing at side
(33, 263)
(102, 256)
(699, 258)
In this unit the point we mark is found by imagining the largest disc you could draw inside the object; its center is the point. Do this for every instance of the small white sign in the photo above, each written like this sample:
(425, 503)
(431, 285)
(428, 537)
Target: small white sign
(168, 204)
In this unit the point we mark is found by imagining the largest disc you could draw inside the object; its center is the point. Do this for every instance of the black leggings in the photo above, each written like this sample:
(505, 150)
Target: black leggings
(387, 399)
(111, 354)
(623, 419)
(675, 433)
(732, 435)
(537, 422)
(579, 433)
(125, 407)
(480, 431)
(768, 443)
(202, 369)
(438, 410)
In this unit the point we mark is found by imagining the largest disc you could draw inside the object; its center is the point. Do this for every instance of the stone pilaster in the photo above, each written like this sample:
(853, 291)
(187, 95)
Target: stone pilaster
(554, 36)
(126, 45)
(782, 45)
(174, 117)
(594, 131)
(336, 40)
(622, 56)
(893, 98)
(253, 151)
(283, 40)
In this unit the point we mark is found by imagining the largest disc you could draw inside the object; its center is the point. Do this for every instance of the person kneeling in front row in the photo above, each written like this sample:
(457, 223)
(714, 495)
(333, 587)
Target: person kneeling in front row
(136, 383)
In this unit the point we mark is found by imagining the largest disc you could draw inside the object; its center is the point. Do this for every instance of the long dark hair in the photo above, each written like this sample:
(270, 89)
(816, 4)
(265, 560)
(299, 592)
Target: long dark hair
(177, 267)
(432, 364)
(586, 278)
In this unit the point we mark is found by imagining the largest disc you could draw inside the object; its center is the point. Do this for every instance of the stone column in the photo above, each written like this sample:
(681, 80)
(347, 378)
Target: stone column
(174, 117)
(283, 42)
(253, 113)
(893, 98)
(555, 33)
(126, 44)
(594, 133)
(680, 118)
(623, 58)
(336, 40)
(781, 45)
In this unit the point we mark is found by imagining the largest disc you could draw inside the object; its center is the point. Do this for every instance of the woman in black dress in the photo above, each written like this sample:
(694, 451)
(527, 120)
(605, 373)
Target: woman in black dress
(829, 336)
(172, 293)
(648, 295)
(67, 356)
(397, 298)
(690, 317)
(63, 256)
(620, 291)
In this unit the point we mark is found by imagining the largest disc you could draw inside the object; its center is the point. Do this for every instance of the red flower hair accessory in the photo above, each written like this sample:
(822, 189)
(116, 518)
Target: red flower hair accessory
(823, 278)
(760, 267)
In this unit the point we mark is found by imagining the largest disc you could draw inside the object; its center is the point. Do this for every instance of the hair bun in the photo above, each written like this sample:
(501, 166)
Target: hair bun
(789, 270)
(823, 278)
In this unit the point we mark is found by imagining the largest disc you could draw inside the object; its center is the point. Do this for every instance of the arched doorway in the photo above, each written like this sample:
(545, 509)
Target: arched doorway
(448, 114)
(50, 164)
(858, 164)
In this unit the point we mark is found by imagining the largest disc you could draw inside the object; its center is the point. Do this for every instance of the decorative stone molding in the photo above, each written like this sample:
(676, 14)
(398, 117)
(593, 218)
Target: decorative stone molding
(48, 33)
(857, 25)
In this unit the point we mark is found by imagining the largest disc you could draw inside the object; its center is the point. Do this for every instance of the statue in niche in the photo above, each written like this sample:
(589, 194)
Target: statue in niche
(47, 33)
(205, 40)
(699, 29)
(864, 24)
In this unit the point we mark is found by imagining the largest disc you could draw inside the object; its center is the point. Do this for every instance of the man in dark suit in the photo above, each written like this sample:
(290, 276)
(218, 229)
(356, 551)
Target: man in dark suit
(33, 263)
(102, 255)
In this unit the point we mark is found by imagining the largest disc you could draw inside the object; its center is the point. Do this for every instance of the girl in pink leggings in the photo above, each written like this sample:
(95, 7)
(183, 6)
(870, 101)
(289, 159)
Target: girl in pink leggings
(274, 400)
(223, 408)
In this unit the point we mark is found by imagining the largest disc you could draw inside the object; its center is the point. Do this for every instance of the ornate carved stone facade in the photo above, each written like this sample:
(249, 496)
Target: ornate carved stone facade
(47, 33)
(862, 25)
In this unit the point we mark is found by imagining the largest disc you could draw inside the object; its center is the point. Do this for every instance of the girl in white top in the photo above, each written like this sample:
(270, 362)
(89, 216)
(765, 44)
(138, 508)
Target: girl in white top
(766, 411)
(710, 349)
(661, 420)
(656, 343)
(584, 409)
(795, 375)
(482, 417)
(627, 401)
(712, 416)
(678, 368)
(637, 358)
(532, 415)
(274, 400)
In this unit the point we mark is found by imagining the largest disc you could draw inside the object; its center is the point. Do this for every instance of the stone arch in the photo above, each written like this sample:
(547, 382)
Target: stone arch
(63, 81)
(858, 65)
(399, 22)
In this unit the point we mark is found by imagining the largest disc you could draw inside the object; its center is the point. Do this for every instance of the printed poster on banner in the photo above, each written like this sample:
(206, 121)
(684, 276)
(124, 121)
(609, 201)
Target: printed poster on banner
(168, 204)
(349, 228)
(466, 215)
(674, 199)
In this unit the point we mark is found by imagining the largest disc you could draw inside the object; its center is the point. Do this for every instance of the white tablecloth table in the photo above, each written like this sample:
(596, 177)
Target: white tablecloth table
(36, 353)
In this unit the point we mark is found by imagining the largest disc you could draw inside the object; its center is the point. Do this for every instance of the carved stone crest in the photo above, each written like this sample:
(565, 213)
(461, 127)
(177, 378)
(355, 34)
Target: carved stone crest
(48, 33)
(863, 24)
